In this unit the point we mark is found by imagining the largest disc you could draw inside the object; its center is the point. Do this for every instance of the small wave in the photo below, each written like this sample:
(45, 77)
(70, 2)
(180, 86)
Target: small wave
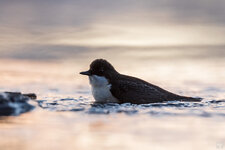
(172, 108)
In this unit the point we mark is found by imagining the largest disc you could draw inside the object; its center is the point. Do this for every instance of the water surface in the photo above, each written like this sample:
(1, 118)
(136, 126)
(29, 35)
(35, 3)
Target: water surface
(66, 118)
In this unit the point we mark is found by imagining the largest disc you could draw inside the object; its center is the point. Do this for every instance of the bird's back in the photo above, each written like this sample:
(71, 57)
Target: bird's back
(130, 89)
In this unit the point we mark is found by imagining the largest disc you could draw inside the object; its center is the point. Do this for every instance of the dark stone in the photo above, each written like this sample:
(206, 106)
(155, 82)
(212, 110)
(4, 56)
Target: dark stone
(15, 103)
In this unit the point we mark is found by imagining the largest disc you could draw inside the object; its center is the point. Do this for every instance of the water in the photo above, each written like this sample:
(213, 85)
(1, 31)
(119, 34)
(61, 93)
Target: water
(66, 118)
(172, 108)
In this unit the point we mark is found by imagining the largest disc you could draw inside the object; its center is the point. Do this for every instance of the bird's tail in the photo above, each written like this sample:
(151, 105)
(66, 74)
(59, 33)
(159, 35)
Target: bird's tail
(190, 99)
(174, 97)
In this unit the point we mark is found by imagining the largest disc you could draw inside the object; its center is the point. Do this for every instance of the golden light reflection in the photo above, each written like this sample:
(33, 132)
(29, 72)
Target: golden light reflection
(119, 35)
(143, 35)
(57, 131)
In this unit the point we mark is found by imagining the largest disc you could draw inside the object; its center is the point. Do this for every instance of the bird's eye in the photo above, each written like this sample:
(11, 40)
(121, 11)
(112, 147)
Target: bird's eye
(101, 71)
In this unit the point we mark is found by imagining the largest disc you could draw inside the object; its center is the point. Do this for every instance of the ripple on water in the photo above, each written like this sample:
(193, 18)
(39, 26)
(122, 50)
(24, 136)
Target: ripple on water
(173, 108)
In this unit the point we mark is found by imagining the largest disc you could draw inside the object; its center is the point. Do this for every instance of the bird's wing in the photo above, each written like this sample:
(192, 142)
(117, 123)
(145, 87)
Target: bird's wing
(137, 92)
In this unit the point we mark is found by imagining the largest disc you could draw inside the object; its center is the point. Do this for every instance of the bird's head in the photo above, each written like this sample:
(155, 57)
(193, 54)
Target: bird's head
(100, 67)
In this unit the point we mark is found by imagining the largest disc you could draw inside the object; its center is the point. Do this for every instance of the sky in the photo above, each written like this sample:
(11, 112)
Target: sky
(105, 23)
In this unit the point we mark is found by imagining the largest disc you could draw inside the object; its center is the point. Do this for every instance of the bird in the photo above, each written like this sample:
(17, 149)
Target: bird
(109, 86)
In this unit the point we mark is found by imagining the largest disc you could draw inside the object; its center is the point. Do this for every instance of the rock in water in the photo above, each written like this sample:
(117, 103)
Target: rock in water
(12, 103)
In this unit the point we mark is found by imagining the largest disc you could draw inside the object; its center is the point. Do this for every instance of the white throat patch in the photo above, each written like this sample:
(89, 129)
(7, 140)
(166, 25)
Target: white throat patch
(101, 89)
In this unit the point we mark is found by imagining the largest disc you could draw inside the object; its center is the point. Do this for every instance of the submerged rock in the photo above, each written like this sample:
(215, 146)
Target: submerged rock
(12, 103)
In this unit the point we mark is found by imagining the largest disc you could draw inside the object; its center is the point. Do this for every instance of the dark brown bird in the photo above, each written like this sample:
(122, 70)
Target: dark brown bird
(109, 86)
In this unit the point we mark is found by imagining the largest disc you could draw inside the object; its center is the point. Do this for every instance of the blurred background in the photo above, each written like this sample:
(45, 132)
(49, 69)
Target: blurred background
(178, 45)
(156, 40)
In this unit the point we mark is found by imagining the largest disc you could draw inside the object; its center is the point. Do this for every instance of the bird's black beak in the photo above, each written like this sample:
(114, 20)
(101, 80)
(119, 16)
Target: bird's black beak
(88, 73)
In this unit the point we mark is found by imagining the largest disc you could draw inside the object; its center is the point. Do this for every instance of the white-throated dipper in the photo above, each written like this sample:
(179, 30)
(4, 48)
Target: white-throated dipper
(109, 86)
